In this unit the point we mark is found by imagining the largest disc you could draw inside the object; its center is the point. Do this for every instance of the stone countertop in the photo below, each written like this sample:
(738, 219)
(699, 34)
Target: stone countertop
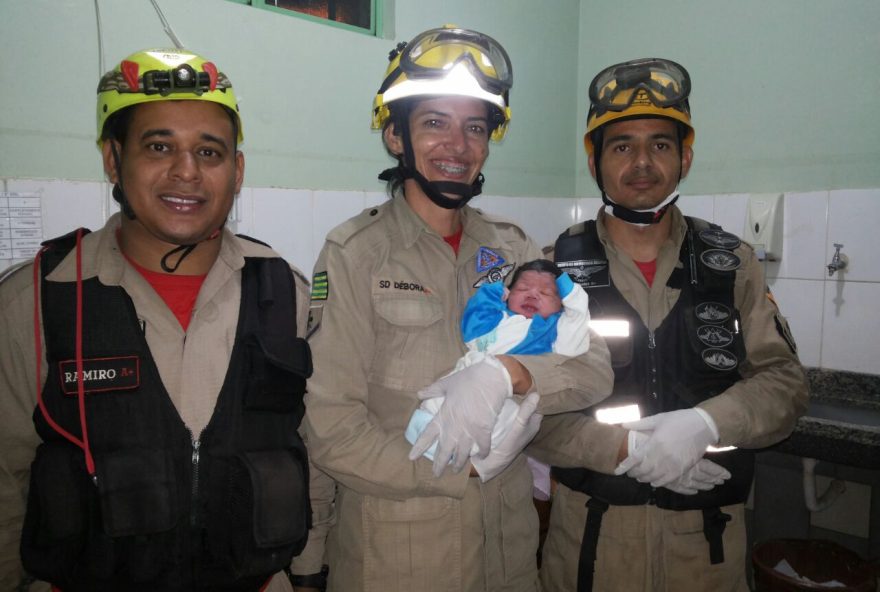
(834, 440)
(862, 390)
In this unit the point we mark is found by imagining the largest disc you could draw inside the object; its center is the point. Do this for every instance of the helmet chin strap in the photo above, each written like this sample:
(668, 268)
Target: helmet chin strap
(433, 189)
(644, 217)
(119, 196)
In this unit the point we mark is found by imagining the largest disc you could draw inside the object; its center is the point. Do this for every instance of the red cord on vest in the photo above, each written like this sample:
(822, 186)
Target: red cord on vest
(80, 380)
(38, 347)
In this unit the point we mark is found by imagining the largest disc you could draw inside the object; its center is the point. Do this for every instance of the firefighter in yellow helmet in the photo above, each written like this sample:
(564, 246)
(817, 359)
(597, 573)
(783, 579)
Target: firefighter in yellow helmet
(704, 364)
(445, 62)
(388, 292)
(159, 449)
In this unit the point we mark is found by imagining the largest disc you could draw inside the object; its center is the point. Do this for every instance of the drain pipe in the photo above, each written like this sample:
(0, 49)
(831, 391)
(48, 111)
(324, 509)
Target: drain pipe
(824, 501)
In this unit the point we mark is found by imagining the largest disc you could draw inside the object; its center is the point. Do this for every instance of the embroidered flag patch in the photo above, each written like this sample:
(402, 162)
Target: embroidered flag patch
(320, 286)
(101, 374)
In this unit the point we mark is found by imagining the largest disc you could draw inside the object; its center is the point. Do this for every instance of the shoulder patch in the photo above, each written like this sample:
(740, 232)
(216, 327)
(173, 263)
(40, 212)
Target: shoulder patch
(343, 233)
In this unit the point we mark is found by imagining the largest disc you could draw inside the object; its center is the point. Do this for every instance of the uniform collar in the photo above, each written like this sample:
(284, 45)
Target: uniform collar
(676, 235)
(103, 258)
(474, 225)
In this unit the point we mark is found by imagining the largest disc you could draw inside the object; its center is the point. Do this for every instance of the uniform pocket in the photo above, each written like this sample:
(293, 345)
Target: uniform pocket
(412, 544)
(277, 377)
(519, 525)
(137, 492)
(56, 522)
(267, 510)
(410, 341)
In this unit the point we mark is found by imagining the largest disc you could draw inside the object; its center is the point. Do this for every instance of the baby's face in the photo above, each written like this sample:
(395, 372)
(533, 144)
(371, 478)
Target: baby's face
(534, 293)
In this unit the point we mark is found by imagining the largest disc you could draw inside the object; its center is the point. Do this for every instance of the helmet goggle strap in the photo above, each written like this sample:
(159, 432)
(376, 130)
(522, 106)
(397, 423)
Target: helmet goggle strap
(433, 189)
(484, 57)
(118, 192)
(662, 82)
(639, 217)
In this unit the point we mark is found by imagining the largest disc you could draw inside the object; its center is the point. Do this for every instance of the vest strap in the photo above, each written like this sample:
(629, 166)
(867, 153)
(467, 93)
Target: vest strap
(587, 561)
(714, 523)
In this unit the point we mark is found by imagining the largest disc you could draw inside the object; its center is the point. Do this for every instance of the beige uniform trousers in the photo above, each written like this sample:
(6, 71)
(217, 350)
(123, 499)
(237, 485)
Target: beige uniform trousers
(643, 549)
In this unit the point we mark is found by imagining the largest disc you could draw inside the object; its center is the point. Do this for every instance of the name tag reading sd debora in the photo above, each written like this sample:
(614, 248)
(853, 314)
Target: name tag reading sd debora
(101, 374)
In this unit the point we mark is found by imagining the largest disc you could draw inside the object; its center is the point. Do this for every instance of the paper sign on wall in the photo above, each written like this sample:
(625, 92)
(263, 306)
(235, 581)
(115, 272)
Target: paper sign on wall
(21, 227)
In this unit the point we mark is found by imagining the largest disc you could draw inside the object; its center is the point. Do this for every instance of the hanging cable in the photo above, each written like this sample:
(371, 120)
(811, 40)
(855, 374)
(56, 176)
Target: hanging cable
(167, 26)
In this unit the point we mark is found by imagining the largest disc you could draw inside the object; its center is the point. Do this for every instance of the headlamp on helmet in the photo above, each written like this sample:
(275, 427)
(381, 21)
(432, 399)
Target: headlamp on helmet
(163, 75)
(649, 87)
(448, 62)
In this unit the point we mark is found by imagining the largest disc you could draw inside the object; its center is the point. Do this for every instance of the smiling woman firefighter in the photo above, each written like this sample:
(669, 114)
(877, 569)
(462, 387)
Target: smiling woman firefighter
(389, 288)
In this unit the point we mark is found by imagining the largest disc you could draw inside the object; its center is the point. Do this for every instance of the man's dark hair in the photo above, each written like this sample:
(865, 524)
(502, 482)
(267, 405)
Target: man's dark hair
(542, 265)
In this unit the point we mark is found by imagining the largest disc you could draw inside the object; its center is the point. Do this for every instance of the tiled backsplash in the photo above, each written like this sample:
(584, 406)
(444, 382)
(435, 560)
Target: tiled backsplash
(835, 320)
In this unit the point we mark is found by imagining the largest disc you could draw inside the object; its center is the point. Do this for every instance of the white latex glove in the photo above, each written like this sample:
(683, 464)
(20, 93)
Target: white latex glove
(677, 440)
(524, 428)
(473, 398)
(703, 476)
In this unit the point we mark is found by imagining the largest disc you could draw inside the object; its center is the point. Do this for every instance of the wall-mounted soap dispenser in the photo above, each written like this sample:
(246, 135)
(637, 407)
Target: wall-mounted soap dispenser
(764, 225)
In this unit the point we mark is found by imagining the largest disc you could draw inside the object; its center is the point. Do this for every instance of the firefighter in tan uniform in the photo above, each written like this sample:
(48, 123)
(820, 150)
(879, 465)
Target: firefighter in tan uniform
(165, 454)
(388, 292)
(702, 358)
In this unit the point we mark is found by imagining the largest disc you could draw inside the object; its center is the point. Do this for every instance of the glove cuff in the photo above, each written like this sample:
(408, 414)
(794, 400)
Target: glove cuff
(495, 363)
(709, 422)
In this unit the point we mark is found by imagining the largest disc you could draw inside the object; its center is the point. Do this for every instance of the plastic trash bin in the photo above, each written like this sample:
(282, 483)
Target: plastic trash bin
(819, 561)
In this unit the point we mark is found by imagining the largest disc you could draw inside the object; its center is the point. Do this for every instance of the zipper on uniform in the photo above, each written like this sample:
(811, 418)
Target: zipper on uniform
(194, 505)
(652, 366)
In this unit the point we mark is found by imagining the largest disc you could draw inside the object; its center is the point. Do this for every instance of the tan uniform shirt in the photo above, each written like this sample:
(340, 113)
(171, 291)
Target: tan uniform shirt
(387, 325)
(192, 364)
(757, 411)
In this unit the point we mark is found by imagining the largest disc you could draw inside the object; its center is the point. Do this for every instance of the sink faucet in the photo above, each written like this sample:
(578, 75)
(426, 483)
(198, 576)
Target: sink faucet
(838, 261)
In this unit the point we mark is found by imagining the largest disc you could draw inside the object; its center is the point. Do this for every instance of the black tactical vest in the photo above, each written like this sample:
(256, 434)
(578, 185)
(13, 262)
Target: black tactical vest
(168, 510)
(693, 355)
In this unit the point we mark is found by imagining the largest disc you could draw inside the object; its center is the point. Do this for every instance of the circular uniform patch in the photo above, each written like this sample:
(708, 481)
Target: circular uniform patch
(714, 336)
(712, 312)
(720, 260)
(719, 359)
(720, 239)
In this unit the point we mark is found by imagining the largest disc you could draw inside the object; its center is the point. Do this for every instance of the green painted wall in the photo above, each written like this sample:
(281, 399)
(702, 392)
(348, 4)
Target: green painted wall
(786, 91)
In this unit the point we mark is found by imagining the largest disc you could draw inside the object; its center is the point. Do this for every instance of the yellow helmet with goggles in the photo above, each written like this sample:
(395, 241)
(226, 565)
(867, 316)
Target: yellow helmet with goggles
(649, 87)
(163, 75)
(448, 62)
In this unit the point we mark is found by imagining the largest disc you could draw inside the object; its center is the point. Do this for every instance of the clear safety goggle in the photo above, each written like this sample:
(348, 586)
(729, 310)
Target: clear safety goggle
(664, 82)
(483, 56)
(181, 79)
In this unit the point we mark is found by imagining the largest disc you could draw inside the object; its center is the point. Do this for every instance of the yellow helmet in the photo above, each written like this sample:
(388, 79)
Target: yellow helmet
(448, 62)
(649, 87)
(163, 75)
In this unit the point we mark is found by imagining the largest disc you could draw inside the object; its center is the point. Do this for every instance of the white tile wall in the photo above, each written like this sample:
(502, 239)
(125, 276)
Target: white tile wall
(801, 302)
(851, 326)
(730, 212)
(852, 221)
(805, 220)
(834, 319)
